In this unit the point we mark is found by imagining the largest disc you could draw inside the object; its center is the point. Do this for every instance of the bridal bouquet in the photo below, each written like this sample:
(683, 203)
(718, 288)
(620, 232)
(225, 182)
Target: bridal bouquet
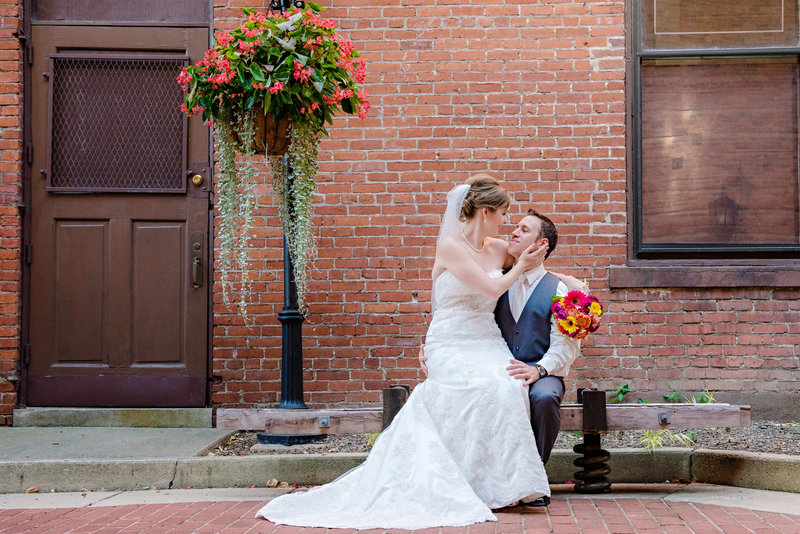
(577, 315)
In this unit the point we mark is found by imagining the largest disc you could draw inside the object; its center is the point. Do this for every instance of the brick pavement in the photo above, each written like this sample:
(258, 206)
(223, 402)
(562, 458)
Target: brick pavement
(564, 516)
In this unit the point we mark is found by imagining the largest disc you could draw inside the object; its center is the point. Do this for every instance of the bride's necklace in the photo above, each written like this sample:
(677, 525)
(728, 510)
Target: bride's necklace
(470, 245)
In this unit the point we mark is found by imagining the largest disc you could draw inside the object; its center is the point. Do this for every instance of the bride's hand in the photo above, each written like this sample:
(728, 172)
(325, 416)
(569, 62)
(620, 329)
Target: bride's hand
(532, 256)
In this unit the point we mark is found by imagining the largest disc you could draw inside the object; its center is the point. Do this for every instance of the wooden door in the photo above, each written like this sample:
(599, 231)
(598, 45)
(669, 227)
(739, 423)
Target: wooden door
(118, 294)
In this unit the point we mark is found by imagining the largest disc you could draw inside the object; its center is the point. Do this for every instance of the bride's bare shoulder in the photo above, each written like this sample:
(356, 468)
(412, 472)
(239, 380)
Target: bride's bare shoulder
(497, 244)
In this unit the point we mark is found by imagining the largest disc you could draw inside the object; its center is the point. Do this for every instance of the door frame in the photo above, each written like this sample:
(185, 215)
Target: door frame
(28, 175)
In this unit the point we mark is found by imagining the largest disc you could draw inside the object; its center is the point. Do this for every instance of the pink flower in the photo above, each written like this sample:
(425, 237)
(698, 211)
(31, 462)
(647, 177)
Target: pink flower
(223, 38)
(184, 78)
(277, 86)
(302, 74)
(574, 299)
(363, 106)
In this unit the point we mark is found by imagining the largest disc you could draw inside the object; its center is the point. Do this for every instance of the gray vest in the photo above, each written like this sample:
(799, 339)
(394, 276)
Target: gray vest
(529, 338)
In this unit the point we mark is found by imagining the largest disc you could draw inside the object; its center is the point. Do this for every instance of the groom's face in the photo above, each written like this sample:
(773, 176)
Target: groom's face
(525, 233)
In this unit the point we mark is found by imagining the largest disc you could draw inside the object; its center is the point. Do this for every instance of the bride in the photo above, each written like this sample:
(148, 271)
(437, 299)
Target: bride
(462, 445)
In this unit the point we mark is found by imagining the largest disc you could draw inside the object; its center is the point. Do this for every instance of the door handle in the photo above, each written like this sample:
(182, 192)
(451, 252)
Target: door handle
(197, 272)
(197, 259)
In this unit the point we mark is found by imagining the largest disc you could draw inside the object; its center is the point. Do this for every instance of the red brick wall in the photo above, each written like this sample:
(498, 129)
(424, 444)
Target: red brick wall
(10, 197)
(533, 93)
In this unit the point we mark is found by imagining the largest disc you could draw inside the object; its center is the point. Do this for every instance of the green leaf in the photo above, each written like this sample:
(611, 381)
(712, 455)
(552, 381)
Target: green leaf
(318, 85)
(286, 45)
(255, 70)
(347, 105)
(290, 22)
(267, 101)
(315, 7)
(271, 25)
(251, 100)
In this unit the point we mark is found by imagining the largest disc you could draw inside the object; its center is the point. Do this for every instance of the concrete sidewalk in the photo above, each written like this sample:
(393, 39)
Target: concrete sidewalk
(36, 444)
(60, 460)
(64, 459)
(629, 508)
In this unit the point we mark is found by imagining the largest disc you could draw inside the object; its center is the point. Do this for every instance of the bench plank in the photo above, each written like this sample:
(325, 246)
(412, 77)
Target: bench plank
(361, 420)
(646, 416)
(275, 421)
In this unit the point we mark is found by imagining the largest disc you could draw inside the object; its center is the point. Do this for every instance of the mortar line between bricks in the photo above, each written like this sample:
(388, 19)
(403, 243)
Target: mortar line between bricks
(725, 509)
(652, 516)
(600, 515)
(710, 521)
(627, 518)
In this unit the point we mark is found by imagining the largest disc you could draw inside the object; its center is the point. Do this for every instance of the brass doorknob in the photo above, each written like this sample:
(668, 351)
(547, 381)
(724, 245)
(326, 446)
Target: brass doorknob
(197, 179)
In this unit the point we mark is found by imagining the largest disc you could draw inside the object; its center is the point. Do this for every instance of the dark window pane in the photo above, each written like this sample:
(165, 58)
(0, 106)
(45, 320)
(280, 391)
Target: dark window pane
(719, 151)
(715, 24)
(116, 125)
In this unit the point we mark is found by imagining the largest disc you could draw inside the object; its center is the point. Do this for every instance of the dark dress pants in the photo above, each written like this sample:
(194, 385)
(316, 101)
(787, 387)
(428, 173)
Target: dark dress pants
(545, 395)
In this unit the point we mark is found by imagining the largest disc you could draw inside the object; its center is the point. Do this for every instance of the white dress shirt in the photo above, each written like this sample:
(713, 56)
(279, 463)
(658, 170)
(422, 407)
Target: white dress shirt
(563, 349)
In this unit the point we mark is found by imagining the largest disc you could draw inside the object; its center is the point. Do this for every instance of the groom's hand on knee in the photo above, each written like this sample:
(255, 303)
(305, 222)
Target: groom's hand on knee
(523, 371)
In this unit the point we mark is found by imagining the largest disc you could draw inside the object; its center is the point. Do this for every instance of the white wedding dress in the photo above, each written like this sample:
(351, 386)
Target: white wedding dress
(461, 446)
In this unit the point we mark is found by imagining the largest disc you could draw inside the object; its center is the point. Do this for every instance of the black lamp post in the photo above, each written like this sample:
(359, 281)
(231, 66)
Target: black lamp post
(291, 319)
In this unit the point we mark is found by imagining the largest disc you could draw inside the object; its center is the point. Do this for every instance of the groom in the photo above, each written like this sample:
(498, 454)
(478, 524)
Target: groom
(542, 354)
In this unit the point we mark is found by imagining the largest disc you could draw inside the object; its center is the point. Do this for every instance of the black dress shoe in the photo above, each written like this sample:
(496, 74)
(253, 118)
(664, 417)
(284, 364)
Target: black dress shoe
(538, 503)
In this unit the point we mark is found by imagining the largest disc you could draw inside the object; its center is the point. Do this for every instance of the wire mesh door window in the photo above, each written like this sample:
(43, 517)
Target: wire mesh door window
(116, 125)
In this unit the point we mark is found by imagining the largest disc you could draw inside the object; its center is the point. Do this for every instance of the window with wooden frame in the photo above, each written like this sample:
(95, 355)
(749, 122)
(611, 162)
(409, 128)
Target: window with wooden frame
(716, 135)
(714, 96)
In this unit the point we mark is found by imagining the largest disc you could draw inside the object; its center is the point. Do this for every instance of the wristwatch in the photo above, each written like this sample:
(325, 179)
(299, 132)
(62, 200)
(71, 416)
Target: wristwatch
(542, 371)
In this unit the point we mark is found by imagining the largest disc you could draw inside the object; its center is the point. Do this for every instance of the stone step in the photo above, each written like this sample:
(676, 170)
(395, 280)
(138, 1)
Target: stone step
(119, 417)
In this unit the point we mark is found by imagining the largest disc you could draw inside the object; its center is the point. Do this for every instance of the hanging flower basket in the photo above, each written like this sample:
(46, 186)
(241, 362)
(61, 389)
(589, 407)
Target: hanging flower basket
(270, 137)
(292, 72)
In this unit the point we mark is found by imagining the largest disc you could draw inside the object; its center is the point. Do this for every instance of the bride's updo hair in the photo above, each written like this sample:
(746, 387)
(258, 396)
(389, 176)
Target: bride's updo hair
(484, 192)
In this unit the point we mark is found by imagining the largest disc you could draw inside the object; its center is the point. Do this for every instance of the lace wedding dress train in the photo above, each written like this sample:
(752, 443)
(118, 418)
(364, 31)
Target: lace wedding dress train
(461, 445)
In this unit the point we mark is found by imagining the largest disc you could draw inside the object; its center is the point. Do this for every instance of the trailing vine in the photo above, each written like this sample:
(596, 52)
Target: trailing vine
(235, 201)
(295, 199)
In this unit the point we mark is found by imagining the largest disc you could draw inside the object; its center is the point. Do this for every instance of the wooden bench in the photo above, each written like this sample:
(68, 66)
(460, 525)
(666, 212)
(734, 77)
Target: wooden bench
(592, 417)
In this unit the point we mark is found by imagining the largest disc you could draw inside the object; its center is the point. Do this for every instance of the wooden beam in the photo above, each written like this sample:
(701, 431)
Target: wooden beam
(275, 421)
(648, 416)
(362, 420)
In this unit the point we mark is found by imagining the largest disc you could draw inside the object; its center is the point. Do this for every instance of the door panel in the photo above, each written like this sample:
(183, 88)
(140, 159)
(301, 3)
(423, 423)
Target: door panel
(159, 285)
(115, 318)
(80, 289)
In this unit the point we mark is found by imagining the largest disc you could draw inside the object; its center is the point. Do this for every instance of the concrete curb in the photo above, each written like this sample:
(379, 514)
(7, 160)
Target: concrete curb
(741, 469)
(754, 470)
(115, 417)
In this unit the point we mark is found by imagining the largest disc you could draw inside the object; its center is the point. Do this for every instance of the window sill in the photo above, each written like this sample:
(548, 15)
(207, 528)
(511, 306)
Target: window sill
(632, 276)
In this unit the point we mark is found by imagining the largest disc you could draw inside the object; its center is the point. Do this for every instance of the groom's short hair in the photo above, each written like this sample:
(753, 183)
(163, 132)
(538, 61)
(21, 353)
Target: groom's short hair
(548, 231)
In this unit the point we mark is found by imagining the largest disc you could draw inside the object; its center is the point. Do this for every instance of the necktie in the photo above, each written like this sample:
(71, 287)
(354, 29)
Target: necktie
(517, 296)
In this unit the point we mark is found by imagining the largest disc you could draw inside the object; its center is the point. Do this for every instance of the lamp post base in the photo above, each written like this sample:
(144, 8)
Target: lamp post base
(288, 439)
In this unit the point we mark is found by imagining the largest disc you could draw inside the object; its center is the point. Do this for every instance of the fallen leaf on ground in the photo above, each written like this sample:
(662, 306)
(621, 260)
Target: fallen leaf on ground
(32, 489)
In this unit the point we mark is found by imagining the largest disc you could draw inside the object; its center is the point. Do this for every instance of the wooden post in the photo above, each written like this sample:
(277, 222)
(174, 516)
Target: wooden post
(394, 397)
